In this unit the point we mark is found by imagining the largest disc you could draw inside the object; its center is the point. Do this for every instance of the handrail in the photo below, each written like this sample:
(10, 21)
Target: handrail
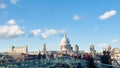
(53, 61)
(118, 65)
(116, 62)
(35, 62)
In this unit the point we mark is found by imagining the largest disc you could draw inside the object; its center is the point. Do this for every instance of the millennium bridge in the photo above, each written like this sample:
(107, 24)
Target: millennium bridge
(54, 63)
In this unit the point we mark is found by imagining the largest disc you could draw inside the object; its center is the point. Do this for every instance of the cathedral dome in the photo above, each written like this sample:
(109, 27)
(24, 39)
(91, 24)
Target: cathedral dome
(65, 45)
(65, 40)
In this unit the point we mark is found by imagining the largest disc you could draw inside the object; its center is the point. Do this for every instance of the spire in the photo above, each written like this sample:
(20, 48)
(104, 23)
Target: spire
(65, 35)
(44, 47)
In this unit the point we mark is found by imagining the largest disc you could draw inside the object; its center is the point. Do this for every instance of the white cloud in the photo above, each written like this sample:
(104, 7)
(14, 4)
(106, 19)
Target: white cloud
(12, 22)
(76, 17)
(14, 1)
(51, 32)
(2, 4)
(115, 40)
(10, 31)
(102, 45)
(108, 14)
(35, 32)
(96, 28)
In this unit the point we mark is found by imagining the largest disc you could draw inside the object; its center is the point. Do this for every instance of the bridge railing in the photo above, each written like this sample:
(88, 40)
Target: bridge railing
(26, 64)
(44, 62)
(115, 64)
(101, 65)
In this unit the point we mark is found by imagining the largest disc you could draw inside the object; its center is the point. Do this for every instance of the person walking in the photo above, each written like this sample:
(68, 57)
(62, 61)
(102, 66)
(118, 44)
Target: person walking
(79, 65)
(109, 59)
(104, 60)
(91, 62)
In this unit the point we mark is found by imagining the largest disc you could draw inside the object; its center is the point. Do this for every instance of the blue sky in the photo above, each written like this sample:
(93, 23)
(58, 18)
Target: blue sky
(33, 22)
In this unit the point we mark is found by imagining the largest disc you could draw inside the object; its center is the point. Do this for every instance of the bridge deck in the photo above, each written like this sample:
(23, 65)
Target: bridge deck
(44, 63)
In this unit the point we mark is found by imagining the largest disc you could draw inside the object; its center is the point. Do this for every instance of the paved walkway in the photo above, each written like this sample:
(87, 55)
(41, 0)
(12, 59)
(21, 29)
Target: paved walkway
(37, 63)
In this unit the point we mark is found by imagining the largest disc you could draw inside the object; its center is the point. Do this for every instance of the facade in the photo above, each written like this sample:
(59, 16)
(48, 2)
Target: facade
(76, 48)
(65, 46)
(14, 49)
(92, 50)
(44, 51)
(116, 53)
(44, 47)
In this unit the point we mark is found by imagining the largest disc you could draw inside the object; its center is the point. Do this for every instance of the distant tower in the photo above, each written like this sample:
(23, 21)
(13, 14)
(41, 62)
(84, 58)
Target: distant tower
(44, 47)
(92, 50)
(76, 48)
(65, 46)
(71, 48)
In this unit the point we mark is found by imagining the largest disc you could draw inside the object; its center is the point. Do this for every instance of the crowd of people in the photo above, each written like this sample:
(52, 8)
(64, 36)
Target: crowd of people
(106, 58)
(88, 57)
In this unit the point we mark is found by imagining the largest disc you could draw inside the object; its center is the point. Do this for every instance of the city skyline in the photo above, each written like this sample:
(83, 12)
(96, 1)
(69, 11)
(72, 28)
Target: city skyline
(32, 23)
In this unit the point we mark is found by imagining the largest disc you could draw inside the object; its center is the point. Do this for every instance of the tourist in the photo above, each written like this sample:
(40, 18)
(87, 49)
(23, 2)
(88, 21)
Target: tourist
(79, 57)
(91, 62)
(86, 56)
(104, 60)
(79, 65)
(83, 57)
(75, 57)
(39, 56)
(43, 56)
(109, 59)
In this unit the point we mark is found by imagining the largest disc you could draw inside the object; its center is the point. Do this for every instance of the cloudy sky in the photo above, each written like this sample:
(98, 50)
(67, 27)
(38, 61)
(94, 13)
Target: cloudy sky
(33, 22)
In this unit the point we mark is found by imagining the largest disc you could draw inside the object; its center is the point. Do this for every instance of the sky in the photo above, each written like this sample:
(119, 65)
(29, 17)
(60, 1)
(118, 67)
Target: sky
(35, 22)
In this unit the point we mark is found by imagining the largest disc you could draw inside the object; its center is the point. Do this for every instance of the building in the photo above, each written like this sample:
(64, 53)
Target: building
(14, 49)
(44, 47)
(65, 46)
(116, 53)
(76, 48)
(92, 50)
(44, 51)
(72, 48)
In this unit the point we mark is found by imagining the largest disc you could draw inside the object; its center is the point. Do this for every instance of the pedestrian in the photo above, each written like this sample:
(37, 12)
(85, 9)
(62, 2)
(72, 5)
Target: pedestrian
(86, 56)
(91, 62)
(79, 65)
(109, 59)
(104, 60)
